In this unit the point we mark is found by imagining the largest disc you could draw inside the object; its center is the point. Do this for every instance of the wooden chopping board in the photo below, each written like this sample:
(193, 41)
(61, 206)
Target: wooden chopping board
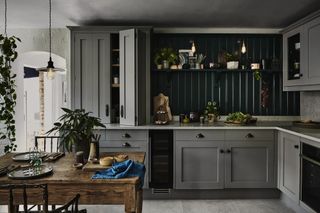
(93, 167)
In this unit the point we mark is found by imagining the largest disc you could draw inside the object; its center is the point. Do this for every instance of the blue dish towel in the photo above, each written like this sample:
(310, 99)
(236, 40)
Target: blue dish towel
(124, 169)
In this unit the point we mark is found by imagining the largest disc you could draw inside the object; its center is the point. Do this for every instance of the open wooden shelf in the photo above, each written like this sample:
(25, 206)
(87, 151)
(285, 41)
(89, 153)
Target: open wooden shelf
(115, 85)
(213, 70)
(116, 65)
(115, 50)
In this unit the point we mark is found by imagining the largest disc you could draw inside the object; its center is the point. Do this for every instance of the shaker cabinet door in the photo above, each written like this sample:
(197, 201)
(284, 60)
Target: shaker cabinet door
(91, 74)
(289, 165)
(199, 165)
(127, 77)
(250, 164)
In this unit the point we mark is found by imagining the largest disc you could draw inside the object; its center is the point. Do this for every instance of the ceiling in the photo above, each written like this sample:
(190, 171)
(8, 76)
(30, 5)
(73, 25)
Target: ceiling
(159, 13)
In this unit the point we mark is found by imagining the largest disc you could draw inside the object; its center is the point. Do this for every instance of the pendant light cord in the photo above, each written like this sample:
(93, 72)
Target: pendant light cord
(5, 17)
(50, 28)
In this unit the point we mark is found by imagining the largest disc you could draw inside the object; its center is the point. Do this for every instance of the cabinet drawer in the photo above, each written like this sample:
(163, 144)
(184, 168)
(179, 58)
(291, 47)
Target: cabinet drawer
(249, 135)
(127, 135)
(205, 135)
(124, 145)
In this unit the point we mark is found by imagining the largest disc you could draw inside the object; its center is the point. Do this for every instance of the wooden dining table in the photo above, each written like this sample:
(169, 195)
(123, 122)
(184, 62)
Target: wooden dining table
(66, 181)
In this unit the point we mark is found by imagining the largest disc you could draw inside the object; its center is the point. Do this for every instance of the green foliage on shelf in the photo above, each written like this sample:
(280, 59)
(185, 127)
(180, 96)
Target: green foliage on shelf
(8, 96)
(166, 54)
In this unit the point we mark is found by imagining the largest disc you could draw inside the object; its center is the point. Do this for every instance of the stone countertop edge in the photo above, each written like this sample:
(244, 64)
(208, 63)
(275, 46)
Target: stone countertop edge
(284, 126)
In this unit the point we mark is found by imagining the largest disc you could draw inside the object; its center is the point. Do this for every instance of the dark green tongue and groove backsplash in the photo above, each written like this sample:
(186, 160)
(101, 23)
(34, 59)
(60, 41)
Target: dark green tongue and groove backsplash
(189, 90)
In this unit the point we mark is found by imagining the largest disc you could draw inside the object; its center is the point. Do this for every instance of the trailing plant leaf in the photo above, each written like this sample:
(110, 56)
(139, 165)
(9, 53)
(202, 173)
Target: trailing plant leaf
(257, 75)
(8, 97)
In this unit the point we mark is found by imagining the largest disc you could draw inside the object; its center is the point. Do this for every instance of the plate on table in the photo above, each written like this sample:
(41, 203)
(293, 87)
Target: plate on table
(26, 156)
(30, 172)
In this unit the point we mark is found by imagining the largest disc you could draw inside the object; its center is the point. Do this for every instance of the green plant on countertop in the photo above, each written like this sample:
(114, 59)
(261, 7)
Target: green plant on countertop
(212, 108)
(200, 58)
(166, 54)
(75, 126)
(238, 117)
(8, 96)
(257, 74)
(231, 57)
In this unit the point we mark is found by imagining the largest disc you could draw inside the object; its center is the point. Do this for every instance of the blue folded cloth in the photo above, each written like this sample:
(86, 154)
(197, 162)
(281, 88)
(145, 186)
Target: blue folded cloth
(124, 169)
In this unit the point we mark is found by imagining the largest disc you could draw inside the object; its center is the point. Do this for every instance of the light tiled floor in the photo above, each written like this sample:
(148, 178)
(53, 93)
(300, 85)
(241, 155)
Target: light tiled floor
(201, 206)
(197, 206)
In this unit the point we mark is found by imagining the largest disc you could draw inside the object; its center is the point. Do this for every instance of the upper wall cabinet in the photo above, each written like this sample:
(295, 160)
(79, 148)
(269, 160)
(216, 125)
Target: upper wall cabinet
(301, 58)
(109, 72)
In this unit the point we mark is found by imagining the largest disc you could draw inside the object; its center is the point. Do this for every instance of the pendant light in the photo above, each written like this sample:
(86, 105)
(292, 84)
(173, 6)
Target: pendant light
(50, 69)
(243, 48)
(193, 47)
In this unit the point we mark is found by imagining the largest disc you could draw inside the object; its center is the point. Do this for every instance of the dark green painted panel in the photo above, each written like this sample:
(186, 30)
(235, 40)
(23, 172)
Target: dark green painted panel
(234, 91)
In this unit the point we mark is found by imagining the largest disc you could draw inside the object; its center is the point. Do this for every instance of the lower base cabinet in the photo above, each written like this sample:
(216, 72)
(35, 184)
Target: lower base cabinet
(249, 165)
(199, 165)
(218, 164)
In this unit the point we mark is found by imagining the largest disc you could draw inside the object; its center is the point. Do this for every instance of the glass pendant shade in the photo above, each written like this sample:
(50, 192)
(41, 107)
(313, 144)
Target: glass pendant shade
(193, 47)
(243, 48)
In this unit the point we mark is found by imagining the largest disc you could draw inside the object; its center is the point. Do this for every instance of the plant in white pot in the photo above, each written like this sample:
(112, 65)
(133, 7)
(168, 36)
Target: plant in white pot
(76, 127)
(232, 61)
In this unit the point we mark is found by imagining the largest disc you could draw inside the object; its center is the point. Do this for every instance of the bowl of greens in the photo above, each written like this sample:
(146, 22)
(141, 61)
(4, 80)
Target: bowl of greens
(239, 118)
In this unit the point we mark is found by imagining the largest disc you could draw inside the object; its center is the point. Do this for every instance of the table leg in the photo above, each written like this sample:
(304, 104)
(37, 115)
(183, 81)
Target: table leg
(139, 201)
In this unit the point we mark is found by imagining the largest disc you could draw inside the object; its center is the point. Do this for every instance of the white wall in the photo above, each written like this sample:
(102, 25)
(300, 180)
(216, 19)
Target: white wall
(36, 40)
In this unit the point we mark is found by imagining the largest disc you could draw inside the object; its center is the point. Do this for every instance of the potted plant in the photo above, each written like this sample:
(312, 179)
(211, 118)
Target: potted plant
(167, 56)
(8, 94)
(212, 111)
(157, 61)
(76, 127)
(199, 61)
(232, 61)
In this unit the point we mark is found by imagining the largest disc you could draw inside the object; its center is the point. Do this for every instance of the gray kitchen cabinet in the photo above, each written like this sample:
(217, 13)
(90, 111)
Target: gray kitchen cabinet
(301, 60)
(289, 165)
(127, 141)
(90, 73)
(249, 164)
(94, 64)
(133, 48)
(199, 164)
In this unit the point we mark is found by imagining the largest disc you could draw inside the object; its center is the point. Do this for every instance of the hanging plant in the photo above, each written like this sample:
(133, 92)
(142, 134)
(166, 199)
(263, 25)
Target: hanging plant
(8, 95)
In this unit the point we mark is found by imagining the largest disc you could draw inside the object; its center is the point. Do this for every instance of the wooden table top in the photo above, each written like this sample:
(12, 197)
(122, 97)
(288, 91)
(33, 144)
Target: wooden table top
(65, 173)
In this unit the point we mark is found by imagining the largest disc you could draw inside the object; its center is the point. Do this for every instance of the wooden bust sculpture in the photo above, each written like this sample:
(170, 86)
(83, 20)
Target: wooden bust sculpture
(160, 107)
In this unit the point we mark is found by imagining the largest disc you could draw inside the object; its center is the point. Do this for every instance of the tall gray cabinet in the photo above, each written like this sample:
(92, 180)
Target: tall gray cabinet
(93, 69)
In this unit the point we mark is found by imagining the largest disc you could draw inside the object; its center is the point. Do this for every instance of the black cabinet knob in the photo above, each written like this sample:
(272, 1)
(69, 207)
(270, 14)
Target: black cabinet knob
(126, 135)
(200, 135)
(126, 144)
(249, 135)
(296, 146)
(221, 151)
(228, 151)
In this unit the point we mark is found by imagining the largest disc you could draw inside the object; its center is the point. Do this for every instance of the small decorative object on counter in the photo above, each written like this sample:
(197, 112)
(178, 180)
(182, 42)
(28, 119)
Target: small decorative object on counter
(212, 111)
(199, 61)
(194, 117)
(161, 116)
(202, 119)
(181, 117)
(161, 110)
(255, 66)
(186, 120)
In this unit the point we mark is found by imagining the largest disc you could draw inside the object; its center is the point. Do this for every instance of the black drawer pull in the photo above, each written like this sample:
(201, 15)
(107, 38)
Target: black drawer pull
(126, 144)
(126, 135)
(221, 151)
(228, 151)
(200, 135)
(249, 135)
(296, 146)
